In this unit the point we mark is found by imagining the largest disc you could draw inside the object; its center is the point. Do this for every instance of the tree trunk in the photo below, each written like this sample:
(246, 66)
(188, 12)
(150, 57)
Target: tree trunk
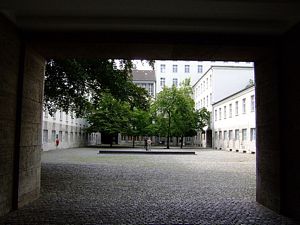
(169, 127)
(181, 145)
(133, 139)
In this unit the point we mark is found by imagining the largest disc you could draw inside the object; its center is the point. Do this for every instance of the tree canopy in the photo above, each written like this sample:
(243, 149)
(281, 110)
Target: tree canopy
(77, 84)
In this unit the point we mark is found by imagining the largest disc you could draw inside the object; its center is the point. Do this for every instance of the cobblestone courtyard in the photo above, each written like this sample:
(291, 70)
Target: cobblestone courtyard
(79, 186)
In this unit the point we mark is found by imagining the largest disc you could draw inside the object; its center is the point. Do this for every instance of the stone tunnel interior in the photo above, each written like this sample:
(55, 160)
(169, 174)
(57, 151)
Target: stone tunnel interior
(22, 64)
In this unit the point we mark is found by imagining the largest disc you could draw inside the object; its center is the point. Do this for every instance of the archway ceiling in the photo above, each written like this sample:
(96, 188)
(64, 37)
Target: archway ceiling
(255, 17)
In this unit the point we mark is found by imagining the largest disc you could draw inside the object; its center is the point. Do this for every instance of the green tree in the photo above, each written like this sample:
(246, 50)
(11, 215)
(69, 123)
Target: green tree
(184, 115)
(139, 124)
(164, 106)
(109, 116)
(176, 114)
(77, 84)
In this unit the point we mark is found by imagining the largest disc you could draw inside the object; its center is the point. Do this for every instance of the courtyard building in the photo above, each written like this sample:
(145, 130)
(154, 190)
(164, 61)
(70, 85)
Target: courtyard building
(233, 122)
(214, 85)
(69, 130)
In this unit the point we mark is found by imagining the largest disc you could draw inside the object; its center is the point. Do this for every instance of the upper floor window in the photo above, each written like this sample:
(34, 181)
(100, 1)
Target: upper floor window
(236, 108)
(207, 83)
(252, 103)
(162, 68)
(244, 105)
(220, 113)
(225, 112)
(206, 101)
(175, 82)
(200, 69)
(162, 81)
(230, 110)
(187, 68)
(216, 115)
(175, 68)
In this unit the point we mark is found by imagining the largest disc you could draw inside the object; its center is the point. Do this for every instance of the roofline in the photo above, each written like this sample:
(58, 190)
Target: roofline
(234, 94)
(221, 66)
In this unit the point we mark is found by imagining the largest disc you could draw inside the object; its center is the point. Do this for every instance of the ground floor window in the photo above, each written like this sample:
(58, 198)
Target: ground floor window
(45, 136)
(244, 134)
(252, 134)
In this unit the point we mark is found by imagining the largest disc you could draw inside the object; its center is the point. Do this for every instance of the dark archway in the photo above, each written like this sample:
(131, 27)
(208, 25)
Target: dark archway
(276, 67)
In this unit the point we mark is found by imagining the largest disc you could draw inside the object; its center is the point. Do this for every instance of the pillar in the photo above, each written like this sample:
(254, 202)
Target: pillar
(21, 97)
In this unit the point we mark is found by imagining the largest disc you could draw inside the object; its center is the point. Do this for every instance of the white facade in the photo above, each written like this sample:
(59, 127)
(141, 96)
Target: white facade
(69, 131)
(219, 82)
(170, 73)
(233, 122)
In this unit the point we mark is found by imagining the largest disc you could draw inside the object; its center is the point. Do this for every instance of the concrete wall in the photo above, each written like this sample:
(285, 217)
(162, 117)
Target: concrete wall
(31, 126)
(268, 131)
(21, 95)
(9, 64)
(290, 124)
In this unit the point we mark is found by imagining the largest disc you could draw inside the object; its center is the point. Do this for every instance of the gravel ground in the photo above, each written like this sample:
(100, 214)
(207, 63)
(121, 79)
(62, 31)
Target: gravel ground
(79, 186)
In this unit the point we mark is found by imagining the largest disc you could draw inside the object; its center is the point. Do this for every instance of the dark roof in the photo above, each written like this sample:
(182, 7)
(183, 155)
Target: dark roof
(143, 75)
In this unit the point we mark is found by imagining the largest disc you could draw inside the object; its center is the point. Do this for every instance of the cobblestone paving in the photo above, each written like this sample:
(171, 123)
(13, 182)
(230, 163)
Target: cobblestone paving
(80, 186)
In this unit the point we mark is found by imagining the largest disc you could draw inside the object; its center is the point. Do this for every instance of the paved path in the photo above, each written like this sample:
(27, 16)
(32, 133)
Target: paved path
(81, 187)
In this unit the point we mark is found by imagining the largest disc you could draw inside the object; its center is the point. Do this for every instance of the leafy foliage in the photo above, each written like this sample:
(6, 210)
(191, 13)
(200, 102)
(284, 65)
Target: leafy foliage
(176, 115)
(77, 84)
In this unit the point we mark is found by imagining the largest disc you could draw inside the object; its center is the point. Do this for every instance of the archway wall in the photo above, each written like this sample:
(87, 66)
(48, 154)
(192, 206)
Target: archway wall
(22, 70)
(21, 97)
(9, 70)
(290, 123)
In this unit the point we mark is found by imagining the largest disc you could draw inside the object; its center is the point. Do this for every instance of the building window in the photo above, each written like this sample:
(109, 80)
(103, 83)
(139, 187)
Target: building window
(210, 96)
(230, 134)
(175, 82)
(54, 116)
(236, 108)
(220, 135)
(237, 135)
(207, 83)
(66, 136)
(175, 68)
(225, 112)
(162, 68)
(203, 85)
(252, 134)
(45, 136)
(162, 81)
(244, 134)
(207, 101)
(244, 105)
(71, 137)
(53, 135)
(220, 113)
(151, 90)
(201, 90)
(230, 110)
(252, 103)
(216, 115)
(46, 113)
(60, 115)
(216, 135)
(225, 134)
(60, 135)
(200, 69)
(187, 68)
(210, 81)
